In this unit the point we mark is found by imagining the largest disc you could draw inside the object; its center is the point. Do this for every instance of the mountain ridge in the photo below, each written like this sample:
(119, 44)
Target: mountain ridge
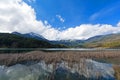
(9, 40)
(99, 41)
(30, 35)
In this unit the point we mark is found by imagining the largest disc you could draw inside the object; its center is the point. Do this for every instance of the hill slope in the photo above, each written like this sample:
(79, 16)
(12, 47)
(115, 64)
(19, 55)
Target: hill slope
(69, 43)
(31, 40)
(30, 35)
(106, 41)
(101, 41)
(14, 41)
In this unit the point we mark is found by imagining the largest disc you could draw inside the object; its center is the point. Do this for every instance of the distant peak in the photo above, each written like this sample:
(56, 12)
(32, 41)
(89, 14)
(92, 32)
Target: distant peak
(35, 34)
(30, 35)
(15, 32)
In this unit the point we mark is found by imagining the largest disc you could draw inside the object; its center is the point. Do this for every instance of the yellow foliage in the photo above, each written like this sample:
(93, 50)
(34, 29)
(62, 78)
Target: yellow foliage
(117, 72)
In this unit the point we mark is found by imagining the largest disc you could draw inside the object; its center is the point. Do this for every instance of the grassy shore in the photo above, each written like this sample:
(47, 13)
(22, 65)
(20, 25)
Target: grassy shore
(117, 72)
(54, 57)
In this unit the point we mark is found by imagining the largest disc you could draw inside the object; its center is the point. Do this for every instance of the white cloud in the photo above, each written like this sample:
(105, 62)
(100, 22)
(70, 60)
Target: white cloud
(60, 18)
(86, 31)
(118, 24)
(16, 15)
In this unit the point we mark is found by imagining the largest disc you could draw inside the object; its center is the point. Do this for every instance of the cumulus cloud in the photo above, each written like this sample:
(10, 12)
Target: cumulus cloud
(16, 15)
(60, 18)
(86, 31)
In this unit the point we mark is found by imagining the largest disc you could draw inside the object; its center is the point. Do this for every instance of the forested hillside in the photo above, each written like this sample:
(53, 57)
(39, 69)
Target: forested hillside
(14, 41)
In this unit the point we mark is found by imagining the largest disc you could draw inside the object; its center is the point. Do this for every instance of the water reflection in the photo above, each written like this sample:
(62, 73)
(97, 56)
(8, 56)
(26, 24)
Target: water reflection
(84, 70)
(19, 50)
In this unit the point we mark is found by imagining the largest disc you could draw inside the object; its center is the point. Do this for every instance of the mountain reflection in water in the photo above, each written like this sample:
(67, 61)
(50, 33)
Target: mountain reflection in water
(86, 69)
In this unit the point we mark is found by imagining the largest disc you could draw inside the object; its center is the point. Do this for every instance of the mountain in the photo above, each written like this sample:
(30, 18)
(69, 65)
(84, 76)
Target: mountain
(100, 41)
(69, 43)
(105, 41)
(30, 35)
(17, 41)
(35, 40)
(95, 38)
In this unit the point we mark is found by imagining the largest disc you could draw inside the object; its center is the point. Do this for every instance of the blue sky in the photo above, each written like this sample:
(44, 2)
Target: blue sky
(76, 12)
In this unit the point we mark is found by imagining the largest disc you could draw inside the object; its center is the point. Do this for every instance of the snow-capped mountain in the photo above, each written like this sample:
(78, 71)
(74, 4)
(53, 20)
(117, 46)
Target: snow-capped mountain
(30, 35)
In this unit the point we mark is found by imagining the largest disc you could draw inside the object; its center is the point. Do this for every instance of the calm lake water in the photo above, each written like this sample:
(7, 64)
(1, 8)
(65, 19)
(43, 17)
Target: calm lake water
(14, 50)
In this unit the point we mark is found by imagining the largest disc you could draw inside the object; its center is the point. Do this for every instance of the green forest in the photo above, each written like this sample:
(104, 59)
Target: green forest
(14, 41)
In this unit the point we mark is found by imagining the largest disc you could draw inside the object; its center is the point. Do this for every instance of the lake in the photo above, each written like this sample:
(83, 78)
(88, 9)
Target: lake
(14, 50)
(58, 64)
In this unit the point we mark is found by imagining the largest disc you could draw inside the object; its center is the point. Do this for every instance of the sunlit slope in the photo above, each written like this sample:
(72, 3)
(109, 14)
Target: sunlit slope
(105, 41)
